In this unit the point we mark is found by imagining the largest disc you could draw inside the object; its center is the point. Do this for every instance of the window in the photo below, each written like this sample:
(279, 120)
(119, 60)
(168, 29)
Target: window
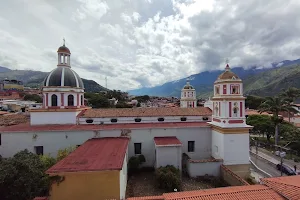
(161, 119)
(205, 118)
(70, 100)
(216, 110)
(78, 145)
(39, 150)
(183, 119)
(82, 100)
(235, 89)
(191, 146)
(217, 88)
(114, 120)
(235, 111)
(89, 121)
(137, 119)
(137, 148)
(54, 100)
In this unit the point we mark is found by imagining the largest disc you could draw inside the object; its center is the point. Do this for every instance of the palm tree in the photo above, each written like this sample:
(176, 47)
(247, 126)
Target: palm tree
(290, 95)
(275, 105)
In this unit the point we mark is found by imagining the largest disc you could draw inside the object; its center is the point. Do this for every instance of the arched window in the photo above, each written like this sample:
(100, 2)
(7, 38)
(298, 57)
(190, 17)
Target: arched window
(54, 100)
(216, 110)
(70, 100)
(235, 109)
(82, 100)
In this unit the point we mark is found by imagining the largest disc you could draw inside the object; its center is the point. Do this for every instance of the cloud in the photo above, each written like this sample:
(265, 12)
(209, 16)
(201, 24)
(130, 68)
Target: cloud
(140, 43)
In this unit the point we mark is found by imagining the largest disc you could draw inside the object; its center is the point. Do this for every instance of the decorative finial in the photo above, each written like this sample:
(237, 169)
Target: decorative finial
(64, 41)
(227, 68)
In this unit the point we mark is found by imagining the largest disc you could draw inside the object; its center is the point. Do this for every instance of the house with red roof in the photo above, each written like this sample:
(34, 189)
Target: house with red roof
(209, 137)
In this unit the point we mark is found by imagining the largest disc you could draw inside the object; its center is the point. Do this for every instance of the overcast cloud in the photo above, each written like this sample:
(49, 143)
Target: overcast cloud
(139, 43)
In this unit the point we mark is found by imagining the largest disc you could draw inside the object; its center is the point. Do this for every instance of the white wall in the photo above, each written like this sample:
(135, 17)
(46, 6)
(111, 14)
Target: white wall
(201, 169)
(125, 120)
(168, 155)
(42, 118)
(123, 178)
(232, 148)
(52, 141)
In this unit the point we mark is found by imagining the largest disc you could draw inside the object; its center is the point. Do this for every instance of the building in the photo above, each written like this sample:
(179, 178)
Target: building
(208, 138)
(98, 166)
(8, 85)
(188, 96)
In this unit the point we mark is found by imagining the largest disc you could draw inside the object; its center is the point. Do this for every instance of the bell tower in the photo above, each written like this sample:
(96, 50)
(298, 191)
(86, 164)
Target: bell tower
(230, 133)
(188, 96)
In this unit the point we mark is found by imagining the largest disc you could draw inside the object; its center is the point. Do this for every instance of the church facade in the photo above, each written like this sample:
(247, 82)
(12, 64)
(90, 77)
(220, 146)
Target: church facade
(207, 137)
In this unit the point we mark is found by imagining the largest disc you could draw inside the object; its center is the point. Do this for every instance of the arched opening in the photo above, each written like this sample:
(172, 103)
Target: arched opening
(216, 111)
(235, 112)
(54, 100)
(70, 100)
(82, 100)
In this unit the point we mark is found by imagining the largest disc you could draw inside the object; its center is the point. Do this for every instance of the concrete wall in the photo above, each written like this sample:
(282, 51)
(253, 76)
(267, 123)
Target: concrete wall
(52, 141)
(168, 155)
(202, 168)
(232, 148)
(232, 178)
(87, 185)
(123, 178)
(41, 118)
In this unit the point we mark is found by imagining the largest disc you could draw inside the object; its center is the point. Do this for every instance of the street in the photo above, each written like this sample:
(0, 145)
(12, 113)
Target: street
(265, 165)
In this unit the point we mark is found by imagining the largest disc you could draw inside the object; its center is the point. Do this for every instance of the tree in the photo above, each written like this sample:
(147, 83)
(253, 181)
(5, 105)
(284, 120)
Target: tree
(23, 177)
(97, 100)
(62, 153)
(122, 104)
(275, 105)
(290, 95)
(33, 97)
(262, 124)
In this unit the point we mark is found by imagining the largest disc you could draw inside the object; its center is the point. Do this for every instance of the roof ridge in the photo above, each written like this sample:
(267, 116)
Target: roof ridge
(282, 183)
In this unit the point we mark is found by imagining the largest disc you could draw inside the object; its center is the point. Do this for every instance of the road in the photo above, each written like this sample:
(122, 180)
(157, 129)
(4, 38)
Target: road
(266, 166)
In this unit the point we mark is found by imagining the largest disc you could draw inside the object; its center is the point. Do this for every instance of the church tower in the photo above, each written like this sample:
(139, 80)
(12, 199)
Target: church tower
(63, 93)
(230, 133)
(188, 96)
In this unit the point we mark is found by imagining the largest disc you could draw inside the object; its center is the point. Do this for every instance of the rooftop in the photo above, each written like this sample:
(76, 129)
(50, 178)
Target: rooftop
(26, 127)
(13, 119)
(167, 141)
(146, 112)
(96, 154)
(288, 186)
(257, 192)
(255, 112)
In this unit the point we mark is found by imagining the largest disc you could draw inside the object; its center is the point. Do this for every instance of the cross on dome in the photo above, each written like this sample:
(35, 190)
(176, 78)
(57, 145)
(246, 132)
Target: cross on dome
(64, 42)
(227, 68)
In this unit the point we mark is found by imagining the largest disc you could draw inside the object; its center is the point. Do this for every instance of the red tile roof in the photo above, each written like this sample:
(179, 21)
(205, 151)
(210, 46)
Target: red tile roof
(94, 155)
(257, 192)
(70, 127)
(255, 112)
(287, 186)
(13, 119)
(146, 112)
(167, 141)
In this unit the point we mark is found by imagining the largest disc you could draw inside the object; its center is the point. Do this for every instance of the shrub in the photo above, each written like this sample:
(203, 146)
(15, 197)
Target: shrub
(142, 158)
(168, 178)
(62, 153)
(133, 164)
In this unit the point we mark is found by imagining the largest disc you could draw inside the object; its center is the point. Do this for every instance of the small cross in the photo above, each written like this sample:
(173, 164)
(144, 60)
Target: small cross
(227, 61)
(64, 41)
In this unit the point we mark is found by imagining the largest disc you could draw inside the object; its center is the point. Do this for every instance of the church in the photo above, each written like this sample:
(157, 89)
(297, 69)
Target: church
(209, 137)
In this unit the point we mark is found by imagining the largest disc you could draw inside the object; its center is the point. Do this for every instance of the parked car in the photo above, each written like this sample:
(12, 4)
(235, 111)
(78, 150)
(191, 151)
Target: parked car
(286, 169)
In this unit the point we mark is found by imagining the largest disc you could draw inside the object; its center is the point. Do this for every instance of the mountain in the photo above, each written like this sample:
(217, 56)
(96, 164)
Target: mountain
(203, 82)
(35, 78)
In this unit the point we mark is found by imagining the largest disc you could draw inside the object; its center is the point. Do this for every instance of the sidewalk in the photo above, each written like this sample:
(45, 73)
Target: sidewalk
(274, 159)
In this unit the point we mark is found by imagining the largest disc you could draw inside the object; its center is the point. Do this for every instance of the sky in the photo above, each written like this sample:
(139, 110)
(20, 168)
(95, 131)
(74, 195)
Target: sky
(144, 43)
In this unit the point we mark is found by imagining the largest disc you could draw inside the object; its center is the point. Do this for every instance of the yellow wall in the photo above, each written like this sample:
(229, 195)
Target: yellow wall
(87, 185)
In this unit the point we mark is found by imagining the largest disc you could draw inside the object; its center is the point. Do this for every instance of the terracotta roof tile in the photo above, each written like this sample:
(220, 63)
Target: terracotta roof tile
(94, 155)
(146, 112)
(166, 141)
(70, 127)
(287, 186)
(147, 198)
(13, 119)
(257, 192)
